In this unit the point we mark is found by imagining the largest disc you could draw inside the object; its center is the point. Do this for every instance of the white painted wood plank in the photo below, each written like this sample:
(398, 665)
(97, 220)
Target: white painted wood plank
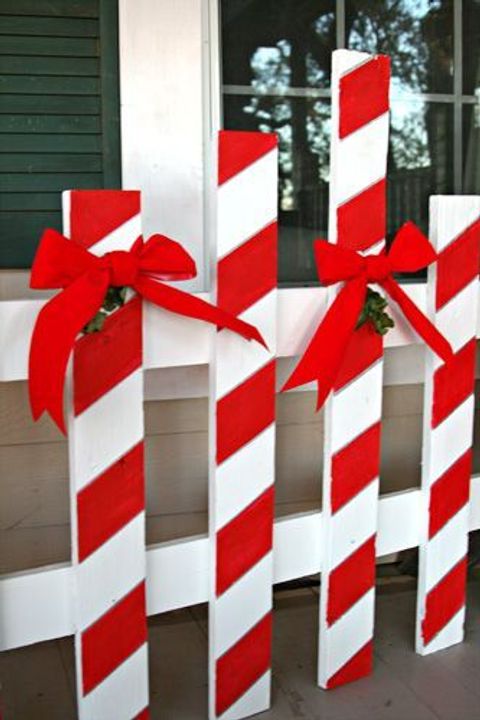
(241, 220)
(36, 605)
(92, 450)
(111, 571)
(251, 700)
(249, 599)
(356, 407)
(237, 485)
(299, 313)
(350, 633)
(123, 694)
(352, 524)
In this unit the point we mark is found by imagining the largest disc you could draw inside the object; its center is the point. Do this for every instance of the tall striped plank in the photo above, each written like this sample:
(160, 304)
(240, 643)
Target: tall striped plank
(452, 297)
(242, 437)
(105, 431)
(359, 144)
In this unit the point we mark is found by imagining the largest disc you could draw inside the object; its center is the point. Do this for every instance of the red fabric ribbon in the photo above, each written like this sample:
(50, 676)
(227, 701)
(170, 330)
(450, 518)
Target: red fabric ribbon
(85, 279)
(409, 252)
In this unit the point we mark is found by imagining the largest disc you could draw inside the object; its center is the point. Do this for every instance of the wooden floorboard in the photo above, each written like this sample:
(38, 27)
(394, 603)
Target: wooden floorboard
(38, 682)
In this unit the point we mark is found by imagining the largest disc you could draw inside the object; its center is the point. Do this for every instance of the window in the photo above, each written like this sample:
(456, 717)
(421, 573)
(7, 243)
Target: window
(276, 77)
(59, 113)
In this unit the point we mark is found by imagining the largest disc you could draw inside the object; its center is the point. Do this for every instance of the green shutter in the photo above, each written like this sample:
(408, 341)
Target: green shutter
(59, 113)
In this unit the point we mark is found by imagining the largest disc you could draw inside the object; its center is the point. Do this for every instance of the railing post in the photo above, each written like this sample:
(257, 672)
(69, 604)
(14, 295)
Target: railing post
(359, 144)
(242, 428)
(105, 432)
(452, 298)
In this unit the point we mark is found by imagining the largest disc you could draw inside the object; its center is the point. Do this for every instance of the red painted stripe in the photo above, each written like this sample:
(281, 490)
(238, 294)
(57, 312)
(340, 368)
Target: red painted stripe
(453, 382)
(355, 466)
(444, 601)
(101, 360)
(350, 580)
(237, 150)
(144, 715)
(364, 349)
(243, 664)
(244, 540)
(110, 501)
(361, 221)
(96, 213)
(113, 638)
(450, 493)
(364, 94)
(359, 665)
(458, 264)
(249, 272)
(245, 412)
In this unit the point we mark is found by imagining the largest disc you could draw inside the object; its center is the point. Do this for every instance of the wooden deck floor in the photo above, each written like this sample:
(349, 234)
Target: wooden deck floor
(38, 682)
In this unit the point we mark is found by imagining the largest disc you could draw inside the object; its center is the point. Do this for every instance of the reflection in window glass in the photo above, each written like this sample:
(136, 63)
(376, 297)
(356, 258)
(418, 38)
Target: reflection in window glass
(303, 128)
(272, 45)
(471, 47)
(420, 161)
(417, 34)
(471, 148)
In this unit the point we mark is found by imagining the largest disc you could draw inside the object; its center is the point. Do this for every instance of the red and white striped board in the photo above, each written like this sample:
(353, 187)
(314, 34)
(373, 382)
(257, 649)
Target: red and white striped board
(105, 432)
(452, 297)
(242, 428)
(359, 144)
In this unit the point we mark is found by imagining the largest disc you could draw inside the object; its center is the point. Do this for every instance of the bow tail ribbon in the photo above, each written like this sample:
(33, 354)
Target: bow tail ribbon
(423, 326)
(58, 324)
(182, 303)
(323, 356)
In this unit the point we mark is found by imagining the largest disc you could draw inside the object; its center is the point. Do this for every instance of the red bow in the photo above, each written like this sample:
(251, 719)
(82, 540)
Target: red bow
(85, 279)
(409, 252)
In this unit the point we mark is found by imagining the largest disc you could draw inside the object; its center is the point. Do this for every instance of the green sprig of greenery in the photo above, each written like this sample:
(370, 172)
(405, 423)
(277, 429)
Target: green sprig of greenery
(374, 311)
(114, 299)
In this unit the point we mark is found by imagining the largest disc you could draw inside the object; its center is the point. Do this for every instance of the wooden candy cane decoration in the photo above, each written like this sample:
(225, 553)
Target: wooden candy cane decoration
(105, 430)
(242, 436)
(352, 415)
(448, 423)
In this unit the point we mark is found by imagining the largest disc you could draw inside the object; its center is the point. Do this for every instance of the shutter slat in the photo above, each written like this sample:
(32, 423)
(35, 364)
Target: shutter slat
(27, 65)
(48, 27)
(50, 124)
(49, 162)
(38, 85)
(57, 8)
(28, 201)
(50, 104)
(38, 143)
(54, 182)
(63, 47)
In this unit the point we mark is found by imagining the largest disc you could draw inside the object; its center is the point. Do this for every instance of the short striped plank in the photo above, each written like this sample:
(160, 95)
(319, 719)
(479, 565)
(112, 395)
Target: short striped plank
(359, 146)
(242, 437)
(448, 423)
(105, 430)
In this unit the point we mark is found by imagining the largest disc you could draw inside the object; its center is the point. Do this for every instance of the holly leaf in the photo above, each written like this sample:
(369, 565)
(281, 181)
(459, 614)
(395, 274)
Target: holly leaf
(96, 323)
(374, 311)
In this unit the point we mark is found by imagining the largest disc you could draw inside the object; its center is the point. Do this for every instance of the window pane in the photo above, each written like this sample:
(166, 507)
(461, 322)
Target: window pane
(420, 160)
(272, 45)
(471, 149)
(303, 127)
(417, 34)
(471, 47)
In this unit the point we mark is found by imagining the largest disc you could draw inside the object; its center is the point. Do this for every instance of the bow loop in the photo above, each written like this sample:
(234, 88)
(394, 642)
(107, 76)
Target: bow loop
(411, 250)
